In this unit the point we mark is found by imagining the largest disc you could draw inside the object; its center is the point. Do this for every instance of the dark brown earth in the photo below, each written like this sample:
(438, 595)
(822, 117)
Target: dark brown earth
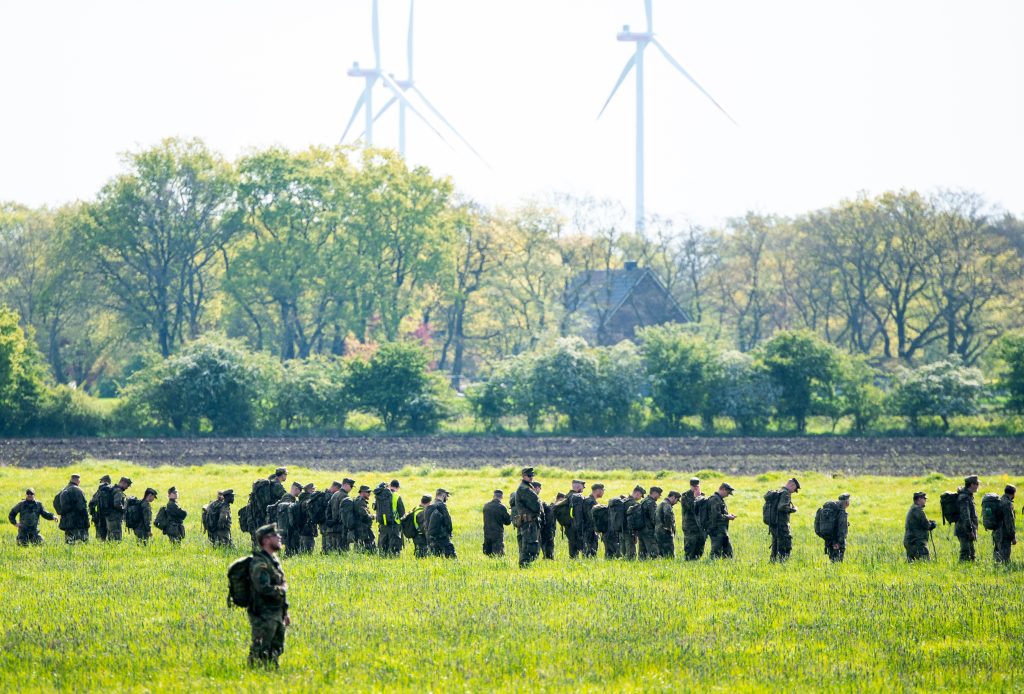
(889, 456)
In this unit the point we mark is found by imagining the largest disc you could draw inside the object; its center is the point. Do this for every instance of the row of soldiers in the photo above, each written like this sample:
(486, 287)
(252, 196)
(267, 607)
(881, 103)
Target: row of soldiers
(640, 525)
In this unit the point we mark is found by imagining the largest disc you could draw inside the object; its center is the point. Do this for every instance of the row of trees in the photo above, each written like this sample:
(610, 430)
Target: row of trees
(316, 253)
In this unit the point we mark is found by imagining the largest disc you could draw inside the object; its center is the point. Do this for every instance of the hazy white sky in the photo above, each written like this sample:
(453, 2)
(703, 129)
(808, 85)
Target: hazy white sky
(832, 96)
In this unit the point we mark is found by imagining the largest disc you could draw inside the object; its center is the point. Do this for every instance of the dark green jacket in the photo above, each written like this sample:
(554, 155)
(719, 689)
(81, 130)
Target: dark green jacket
(717, 514)
(118, 504)
(649, 509)
(146, 511)
(268, 585)
(1007, 520)
(686, 509)
(666, 518)
(785, 507)
(75, 514)
(842, 524)
(496, 517)
(175, 519)
(29, 512)
(967, 525)
(915, 529)
(334, 511)
(440, 521)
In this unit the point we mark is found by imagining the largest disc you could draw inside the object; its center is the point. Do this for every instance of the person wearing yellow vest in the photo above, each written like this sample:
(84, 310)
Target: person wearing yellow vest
(390, 509)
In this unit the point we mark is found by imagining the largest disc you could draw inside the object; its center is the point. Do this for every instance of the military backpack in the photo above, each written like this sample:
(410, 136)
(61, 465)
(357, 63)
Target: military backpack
(210, 516)
(635, 517)
(261, 496)
(240, 583)
(245, 519)
(825, 520)
(616, 515)
(702, 513)
(600, 515)
(950, 508)
(563, 512)
(316, 508)
(409, 525)
(133, 513)
(991, 514)
(284, 515)
(770, 509)
(56, 503)
(383, 501)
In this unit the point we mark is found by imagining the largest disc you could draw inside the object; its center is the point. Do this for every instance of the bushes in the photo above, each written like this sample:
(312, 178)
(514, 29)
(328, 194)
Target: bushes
(22, 388)
(741, 389)
(681, 369)
(941, 389)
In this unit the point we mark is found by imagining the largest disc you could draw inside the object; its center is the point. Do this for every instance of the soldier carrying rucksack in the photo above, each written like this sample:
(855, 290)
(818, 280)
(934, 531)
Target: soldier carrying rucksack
(665, 532)
(73, 510)
(389, 510)
(831, 524)
(616, 526)
(217, 518)
(1003, 525)
(777, 508)
(362, 521)
(98, 506)
(257, 583)
(548, 523)
(170, 519)
(115, 507)
(264, 493)
(966, 527)
(139, 518)
(694, 538)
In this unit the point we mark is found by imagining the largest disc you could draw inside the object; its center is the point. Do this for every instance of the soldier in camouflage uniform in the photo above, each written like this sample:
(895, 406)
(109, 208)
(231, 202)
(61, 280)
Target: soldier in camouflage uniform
(362, 520)
(916, 529)
(439, 526)
(629, 536)
(308, 531)
(665, 531)
(389, 523)
(693, 537)
(616, 528)
(548, 523)
(782, 536)
(116, 509)
(1005, 536)
(25, 515)
(74, 513)
(420, 543)
(574, 499)
(718, 523)
(174, 527)
(144, 530)
(588, 539)
(268, 614)
(291, 544)
(646, 541)
(97, 507)
(835, 548)
(530, 517)
(496, 517)
(335, 535)
(219, 514)
(967, 526)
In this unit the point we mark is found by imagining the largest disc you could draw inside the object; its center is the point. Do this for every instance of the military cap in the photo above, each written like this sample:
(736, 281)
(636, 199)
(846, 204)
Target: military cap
(364, 488)
(172, 490)
(675, 494)
(498, 492)
(228, 492)
(527, 472)
(280, 471)
(640, 489)
(425, 499)
(335, 483)
(579, 482)
(150, 490)
(694, 481)
(973, 479)
(920, 495)
(105, 478)
(394, 483)
(348, 480)
(560, 495)
(78, 477)
(443, 491)
(727, 487)
(796, 482)
(656, 489)
(845, 496)
(296, 484)
(30, 491)
(125, 479)
(265, 530)
(1009, 489)
(309, 486)
(536, 485)
(597, 485)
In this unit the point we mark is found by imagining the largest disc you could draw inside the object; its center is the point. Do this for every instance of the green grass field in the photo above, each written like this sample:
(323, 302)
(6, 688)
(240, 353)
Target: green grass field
(153, 618)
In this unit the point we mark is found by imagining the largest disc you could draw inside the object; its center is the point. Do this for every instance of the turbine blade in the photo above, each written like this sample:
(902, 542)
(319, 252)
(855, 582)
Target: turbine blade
(408, 51)
(380, 113)
(650, 15)
(376, 35)
(451, 127)
(687, 75)
(622, 78)
(355, 114)
(400, 95)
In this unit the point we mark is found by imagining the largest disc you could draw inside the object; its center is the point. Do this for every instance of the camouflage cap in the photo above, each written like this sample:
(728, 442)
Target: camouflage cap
(363, 488)
(727, 487)
(498, 492)
(126, 480)
(443, 491)
(30, 491)
(597, 485)
(336, 483)
(78, 477)
(310, 487)
(795, 482)
(105, 478)
(973, 479)
(675, 494)
(280, 471)
(640, 489)
(527, 472)
(1009, 489)
(694, 481)
(172, 490)
(265, 530)
(536, 485)
(394, 483)
(349, 481)
(559, 495)
(845, 496)
(579, 482)
(920, 495)
(656, 489)
(150, 490)
(227, 492)
(296, 485)
(425, 499)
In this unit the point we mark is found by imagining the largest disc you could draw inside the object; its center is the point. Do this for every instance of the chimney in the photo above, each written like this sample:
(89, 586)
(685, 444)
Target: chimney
(629, 265)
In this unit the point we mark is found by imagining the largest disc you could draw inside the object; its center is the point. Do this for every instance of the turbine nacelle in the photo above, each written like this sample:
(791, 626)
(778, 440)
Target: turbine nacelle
(356, 71)
(634, 36)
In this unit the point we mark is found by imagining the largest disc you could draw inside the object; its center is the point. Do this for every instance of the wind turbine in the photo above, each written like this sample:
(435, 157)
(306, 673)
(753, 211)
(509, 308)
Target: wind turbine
(641, 41)
(399, 88)
(365, 101)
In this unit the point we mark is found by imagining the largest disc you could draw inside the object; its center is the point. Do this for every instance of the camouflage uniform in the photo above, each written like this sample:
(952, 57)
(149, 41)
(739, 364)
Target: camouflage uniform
(574, 534)
(419, 542)
(587, 536)
(96, 511)
(842, 530)
(694, 538)
(115, 514)
(718, 528)
(648, 543)
(363, 519)
(307, 531)
(531, 516)
(74, 517)
(389, 532)
(915, 533)
(629, 537)
(548, 528)
(782, 536)
(335, 534)
(439, 530)
(175, 527)
(1004, 535)
(144, 530)
(27, 514)
(496, 517)
(268, 610)
(967, 525)
(666, 530)
(220, 513)
(616, 523)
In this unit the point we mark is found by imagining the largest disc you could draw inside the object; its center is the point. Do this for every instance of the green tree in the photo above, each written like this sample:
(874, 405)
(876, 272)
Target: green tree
(565, 379)
(805, 370)
(21, 380)
(155, 235)
(943, 389)
(741, 388)
(680, 368)
(311, 393)
(396, 385)
(1010, 352)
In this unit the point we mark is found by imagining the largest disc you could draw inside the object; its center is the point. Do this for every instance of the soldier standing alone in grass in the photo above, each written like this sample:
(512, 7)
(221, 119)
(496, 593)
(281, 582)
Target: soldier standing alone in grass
(1005, 536)
(967, 525)
(74, 513)
(25, 515)
(835, 547)
(916, 529)
(666, 529)
(144, 530)
(116, 507)
(268, 612)
(693, 537)
(496, 517)
(782, 536)
(718, 522)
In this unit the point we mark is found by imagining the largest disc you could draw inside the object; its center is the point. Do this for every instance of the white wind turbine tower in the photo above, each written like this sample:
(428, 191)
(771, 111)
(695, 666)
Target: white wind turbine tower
(642, 40)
